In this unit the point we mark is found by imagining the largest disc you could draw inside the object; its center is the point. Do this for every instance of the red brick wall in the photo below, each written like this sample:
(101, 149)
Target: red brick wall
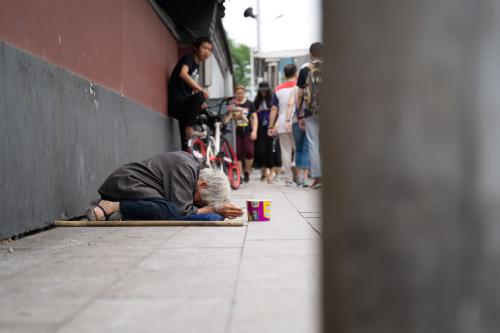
(120, 44)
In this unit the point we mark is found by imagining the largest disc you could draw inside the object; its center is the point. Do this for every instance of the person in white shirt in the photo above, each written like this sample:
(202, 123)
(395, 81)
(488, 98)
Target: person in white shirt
(285, 97)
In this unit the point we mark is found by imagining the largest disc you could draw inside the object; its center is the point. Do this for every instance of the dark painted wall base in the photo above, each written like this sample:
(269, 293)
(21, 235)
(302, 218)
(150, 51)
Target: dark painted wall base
(60, 136)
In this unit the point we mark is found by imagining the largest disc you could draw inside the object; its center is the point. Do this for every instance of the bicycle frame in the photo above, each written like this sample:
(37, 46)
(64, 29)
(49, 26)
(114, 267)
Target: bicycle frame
(212, 155)
(211, 147)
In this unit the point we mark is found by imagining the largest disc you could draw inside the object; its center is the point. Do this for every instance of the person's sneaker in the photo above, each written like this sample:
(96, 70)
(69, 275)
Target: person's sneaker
(305, 183)
(288, 183)
(246, 177)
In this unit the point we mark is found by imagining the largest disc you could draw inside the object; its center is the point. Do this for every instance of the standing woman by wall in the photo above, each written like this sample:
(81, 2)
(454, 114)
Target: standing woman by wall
(267, 149)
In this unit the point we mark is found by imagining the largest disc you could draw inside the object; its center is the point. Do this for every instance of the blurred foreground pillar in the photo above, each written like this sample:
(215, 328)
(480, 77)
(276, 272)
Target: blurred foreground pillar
(410, 132)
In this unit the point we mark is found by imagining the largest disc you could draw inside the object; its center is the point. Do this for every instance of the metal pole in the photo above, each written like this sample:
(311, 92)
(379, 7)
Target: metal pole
(252, 73)
(259, 40)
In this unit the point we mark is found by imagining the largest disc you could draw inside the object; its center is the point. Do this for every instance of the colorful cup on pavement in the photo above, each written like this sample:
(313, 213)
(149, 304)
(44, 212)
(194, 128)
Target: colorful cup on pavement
(259, 210)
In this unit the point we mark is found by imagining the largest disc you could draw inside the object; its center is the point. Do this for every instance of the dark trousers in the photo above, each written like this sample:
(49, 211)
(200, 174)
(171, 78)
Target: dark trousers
(158, 209)
(244, 147)
(149, 209)
(267, 149)
(186, 110)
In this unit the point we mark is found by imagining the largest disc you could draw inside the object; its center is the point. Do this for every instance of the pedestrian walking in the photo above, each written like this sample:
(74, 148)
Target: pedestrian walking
(267, 150)
(309, 82)
(281, 119)
(245, 117)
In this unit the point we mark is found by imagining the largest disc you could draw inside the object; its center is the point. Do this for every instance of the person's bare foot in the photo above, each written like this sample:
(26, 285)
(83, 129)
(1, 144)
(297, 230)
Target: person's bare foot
(270, 177)
(109, 206)
(264, 174)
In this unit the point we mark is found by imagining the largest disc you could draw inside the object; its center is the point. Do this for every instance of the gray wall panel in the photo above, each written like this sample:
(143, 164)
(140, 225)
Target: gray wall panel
(60, 136)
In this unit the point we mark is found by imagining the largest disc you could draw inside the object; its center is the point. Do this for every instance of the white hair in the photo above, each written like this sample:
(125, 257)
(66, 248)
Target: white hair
(218, 191)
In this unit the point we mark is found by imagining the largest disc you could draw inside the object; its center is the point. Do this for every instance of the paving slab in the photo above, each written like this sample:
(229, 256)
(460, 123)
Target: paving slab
(28, 327)
(282, 293)
(260, 231)
(181, 273)
(43, 311)
(207, 315)
(316, 223)
(196, 237)
(262, 277)
(280, 248)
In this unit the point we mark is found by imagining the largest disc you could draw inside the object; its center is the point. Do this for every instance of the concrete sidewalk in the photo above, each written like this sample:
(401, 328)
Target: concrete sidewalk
(263, 277)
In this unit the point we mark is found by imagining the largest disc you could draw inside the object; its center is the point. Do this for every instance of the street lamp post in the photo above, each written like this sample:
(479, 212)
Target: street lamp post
(249, 13)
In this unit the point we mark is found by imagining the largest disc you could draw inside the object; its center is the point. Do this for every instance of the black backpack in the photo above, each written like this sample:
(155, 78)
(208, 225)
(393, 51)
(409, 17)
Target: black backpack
(312, 88)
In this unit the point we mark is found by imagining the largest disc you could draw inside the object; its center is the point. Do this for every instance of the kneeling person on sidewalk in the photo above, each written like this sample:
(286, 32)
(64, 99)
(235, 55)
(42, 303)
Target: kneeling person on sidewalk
(168, 186)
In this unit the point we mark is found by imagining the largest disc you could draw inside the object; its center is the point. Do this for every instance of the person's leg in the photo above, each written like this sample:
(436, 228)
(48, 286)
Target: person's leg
(312, 134)
(102, 209)
(298, 137)
(191, 107)
(264, 173)
(270, 148)
(306, 161)
(261, 151)
(249, 155)
(275, 159)
(239, 148)
(149, 209)
(240, 153)
(248, 165)
(286, 145)
(182, 132)
(176, 110)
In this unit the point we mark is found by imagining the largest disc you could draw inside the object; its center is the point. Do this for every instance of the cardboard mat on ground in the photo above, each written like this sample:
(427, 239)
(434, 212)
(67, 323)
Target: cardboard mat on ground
(156, 223)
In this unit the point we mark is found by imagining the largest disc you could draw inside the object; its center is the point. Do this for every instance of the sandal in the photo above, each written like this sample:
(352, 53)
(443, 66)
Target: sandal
(91, 215)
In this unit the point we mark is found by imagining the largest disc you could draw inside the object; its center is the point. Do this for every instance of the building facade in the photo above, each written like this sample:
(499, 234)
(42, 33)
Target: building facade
(269, 65)
(83, 89)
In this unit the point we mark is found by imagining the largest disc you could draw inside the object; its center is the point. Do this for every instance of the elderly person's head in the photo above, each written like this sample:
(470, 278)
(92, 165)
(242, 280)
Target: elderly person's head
(213, 188)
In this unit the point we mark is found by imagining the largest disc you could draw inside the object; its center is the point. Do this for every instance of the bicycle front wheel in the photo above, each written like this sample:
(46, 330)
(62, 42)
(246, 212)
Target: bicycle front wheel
(212, 158)
(197, 147)
(230, 164)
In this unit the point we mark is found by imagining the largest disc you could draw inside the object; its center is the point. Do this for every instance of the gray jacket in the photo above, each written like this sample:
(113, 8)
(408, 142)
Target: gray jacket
(172, 176)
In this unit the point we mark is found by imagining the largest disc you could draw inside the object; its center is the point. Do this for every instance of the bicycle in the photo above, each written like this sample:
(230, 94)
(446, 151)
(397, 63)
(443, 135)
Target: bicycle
(215, 150)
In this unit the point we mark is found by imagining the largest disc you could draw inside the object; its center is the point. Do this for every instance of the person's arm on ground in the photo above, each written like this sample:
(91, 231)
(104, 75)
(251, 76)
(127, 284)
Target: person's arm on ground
(228, 210)
(184, 75)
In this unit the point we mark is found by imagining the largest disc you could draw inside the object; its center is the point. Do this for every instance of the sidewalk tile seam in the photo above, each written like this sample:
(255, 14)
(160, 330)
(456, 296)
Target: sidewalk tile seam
(103, 290)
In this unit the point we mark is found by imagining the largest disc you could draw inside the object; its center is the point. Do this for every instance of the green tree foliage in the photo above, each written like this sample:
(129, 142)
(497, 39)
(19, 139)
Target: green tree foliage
(240, 55)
